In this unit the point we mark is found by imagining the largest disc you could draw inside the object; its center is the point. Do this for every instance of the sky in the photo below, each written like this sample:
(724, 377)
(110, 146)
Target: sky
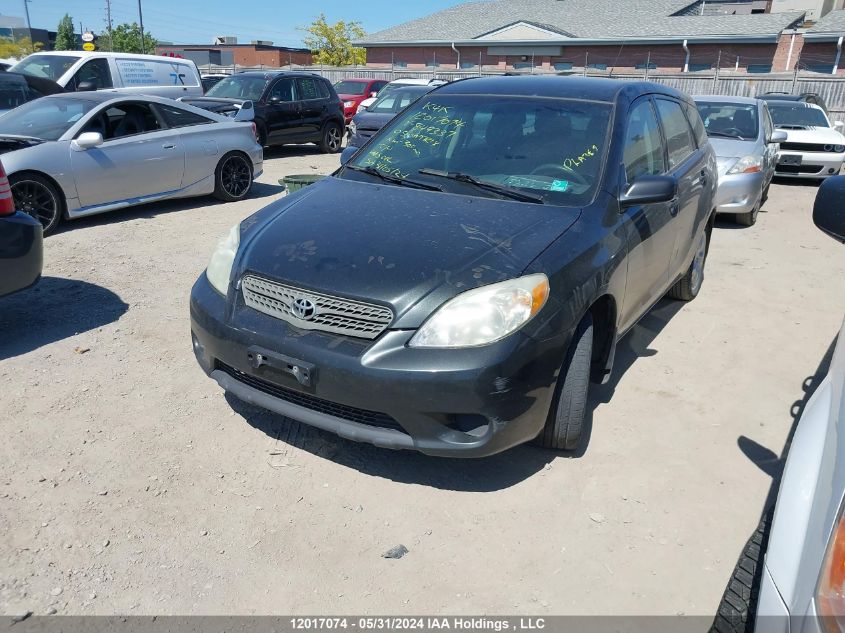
(198, 21)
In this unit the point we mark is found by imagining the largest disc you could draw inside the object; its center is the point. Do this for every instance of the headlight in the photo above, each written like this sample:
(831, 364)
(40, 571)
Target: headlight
(220, 267)
(747, 165)
(839, 148)
(830, 593)
(353, 129)
(484, 315)
(348, 104)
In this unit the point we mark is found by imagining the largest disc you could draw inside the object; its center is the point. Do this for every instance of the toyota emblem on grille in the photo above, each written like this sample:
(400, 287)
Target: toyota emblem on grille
(303, 309)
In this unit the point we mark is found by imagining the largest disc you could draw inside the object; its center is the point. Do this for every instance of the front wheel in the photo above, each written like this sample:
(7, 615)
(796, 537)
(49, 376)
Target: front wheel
(233, 177)
(565, 424)
(38, 197)
(331, 140)
(688, 286)
(750, 218)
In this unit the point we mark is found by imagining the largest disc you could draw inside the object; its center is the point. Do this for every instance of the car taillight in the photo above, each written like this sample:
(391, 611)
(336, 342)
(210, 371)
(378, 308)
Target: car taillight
(255, 130)
(7, 204)
(830, 594)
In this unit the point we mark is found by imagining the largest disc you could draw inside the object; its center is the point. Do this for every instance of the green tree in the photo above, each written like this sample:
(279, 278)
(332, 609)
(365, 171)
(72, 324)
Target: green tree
(65, 37)
(16, 49)
(331, 44)
(126, 38)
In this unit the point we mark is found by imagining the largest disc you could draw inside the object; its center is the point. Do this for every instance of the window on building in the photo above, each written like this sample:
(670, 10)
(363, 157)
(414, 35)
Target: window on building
(398, 63)
(827, 69)
(563, 65)
(522, 65)
(759, 68)
(643, 66)
(467, 65)
(694, 68)
(679, 139)
(431, 63)
(597, 66)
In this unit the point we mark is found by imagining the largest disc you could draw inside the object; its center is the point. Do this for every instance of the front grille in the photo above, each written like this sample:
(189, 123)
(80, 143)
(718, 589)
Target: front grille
(798, 169)
(807, 147)
(307, 401)
(330, 314)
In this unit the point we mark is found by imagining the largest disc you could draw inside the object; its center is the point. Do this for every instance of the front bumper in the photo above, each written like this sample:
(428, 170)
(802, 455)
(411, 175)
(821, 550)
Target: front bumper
(457, 403)
(813, 165)
(21, 252)
(739, 193)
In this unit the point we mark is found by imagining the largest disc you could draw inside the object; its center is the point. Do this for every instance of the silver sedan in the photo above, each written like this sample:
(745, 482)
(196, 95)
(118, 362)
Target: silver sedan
(73, 155)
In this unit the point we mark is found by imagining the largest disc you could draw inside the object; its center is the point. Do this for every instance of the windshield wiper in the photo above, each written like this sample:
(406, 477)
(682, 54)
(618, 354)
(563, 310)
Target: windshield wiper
(372, 171)
(507, 192)
(724, 135)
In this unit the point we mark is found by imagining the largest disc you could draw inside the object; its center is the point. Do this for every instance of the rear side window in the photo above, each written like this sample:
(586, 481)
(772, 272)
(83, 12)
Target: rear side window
(678, 134)
(697, 124)
(177, 117)
(643, 143)
(323, 90)
(307, 88)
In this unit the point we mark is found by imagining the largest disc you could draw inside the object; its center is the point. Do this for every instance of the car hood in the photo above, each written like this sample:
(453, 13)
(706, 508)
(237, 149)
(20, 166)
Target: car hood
(407, 248)
(372, 120)
(13, 142)
(728, 151)
(814, 135)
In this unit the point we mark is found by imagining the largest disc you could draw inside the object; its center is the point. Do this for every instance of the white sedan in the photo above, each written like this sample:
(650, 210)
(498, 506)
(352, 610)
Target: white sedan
(72, 155)
(814, 148)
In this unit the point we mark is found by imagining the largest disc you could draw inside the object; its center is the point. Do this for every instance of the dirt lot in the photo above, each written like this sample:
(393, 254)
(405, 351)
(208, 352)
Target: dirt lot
(130, 484)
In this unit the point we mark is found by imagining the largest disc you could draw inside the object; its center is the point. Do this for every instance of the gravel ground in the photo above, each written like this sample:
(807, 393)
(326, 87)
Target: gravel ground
(130, 484)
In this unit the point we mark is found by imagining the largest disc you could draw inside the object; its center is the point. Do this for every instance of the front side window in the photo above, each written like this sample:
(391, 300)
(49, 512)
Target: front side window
(679, 143)
(282, 90)
(643, 144)
(48, 118)
(730, 120)
(239, 87)
(96, 72)
(45, 66)
(797, 116)
(552, 149)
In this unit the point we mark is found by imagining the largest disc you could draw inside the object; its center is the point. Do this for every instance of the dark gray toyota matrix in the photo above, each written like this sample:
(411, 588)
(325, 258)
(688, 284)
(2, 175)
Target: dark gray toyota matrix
(457, 284)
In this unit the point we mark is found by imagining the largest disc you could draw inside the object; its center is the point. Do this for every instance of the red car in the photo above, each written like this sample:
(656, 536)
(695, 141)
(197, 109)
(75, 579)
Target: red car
(353, 91)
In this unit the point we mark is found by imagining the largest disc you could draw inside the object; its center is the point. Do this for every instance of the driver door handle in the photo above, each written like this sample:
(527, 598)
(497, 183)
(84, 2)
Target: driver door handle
(169, 146)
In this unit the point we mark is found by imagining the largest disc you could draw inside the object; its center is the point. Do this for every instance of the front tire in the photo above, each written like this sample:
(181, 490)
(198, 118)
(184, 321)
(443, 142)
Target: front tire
(688, 286)
(750, 218)
(38, 197)
(565, 424)
(233, 177)
(332, 138)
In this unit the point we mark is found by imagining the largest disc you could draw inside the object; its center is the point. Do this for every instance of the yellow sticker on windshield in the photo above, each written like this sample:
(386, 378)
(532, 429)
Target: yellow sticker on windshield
(577, 161)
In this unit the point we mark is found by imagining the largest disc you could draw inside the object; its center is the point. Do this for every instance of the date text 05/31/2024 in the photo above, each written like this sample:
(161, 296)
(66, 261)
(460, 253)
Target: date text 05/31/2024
(418, 623)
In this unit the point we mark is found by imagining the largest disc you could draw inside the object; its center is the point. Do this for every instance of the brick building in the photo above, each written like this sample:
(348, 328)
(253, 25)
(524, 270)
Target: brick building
(254, 54)
(564, 35)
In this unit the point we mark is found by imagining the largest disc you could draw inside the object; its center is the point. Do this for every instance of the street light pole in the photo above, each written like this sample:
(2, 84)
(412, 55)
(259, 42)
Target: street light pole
(141, 20)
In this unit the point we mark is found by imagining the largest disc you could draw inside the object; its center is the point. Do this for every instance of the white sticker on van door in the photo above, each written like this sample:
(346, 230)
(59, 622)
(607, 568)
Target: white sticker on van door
(151, 73)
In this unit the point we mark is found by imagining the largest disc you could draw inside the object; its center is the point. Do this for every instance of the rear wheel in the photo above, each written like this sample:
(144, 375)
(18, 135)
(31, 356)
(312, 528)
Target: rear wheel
(233, 177)
(565, 424)
(750, 218)
(38, 197)
(331, 139)
(688, 286)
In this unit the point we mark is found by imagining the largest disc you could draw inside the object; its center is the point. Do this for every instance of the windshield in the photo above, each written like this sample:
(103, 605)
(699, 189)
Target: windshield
(48, 118)
(398, 99)
(46, 66)
(549, 148)
(729, 120)
(797, 115)
(239, 87)
(350, 87)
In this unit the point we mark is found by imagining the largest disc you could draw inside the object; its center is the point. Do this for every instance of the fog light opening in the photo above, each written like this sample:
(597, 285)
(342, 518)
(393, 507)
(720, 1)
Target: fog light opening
(831, 171)
(469, 423)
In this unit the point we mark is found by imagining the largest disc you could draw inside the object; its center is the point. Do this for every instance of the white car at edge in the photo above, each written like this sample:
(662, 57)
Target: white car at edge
(814, 148)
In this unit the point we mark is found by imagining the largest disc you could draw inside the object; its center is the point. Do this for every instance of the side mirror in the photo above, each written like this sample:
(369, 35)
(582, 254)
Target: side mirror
(86, 141)
(347, 154)
(374, 94)
(648, 190)
(86, 86)
(274, 99)
(828, 211)
(778, 136)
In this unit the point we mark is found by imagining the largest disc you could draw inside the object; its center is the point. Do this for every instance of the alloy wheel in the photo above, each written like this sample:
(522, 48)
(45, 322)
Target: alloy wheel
(235, 176)
(697, 272)
(36, 200)
(333, 138)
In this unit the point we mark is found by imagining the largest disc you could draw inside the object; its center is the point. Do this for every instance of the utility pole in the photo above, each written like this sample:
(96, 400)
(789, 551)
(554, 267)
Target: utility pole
(108, 20)
(28, 24)
(141, 24)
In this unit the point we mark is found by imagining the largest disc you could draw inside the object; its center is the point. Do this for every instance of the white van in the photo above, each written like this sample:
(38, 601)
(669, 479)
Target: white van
(123, 72)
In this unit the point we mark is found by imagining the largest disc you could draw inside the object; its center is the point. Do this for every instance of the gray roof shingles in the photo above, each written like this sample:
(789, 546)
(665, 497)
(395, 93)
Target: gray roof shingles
(586, 19)
(833, 22)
